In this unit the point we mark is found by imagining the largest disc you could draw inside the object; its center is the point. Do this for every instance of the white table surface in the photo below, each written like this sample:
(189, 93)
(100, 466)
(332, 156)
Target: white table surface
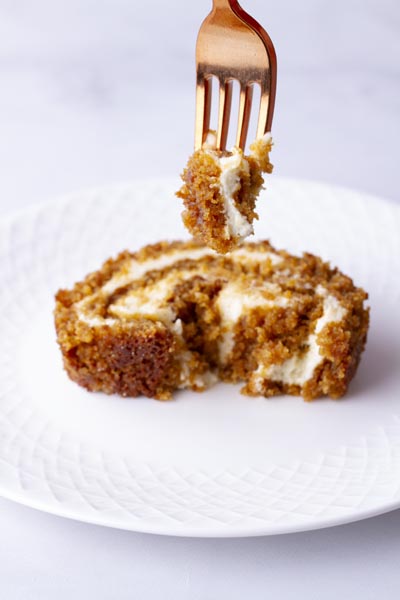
(88, 89)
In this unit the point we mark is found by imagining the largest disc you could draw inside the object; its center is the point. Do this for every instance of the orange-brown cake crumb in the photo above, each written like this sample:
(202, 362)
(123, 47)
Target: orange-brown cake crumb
(220, 192)
(178, 315)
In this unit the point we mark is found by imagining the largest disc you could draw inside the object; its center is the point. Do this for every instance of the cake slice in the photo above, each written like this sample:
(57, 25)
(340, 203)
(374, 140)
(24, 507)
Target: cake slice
(220, 192)
(178, 315)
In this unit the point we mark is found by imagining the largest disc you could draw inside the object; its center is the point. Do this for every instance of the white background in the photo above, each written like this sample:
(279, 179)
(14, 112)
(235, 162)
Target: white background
(98, 91)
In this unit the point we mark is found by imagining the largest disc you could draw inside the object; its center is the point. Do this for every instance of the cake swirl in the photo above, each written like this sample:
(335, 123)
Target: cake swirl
(178, 315)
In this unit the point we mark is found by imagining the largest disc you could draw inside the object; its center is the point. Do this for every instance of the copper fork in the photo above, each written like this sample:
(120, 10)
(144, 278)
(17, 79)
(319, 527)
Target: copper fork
(231, 45)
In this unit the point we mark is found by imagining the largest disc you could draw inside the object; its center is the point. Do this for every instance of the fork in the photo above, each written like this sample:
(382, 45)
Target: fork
(231, 45)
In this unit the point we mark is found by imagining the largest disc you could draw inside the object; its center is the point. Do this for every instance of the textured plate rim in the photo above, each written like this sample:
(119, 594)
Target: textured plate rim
(218, 532)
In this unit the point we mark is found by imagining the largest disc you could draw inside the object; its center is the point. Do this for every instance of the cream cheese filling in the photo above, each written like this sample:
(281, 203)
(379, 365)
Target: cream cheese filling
(257, 256)
(233, 304)
(151, 301)
(138, 269)
(151, 304)
(298, 369)
(232, 168)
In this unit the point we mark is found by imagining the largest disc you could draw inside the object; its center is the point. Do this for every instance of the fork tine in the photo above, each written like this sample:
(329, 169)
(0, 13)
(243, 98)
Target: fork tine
(225, 103)
(203, 108)
(265, 112)
(246, 95)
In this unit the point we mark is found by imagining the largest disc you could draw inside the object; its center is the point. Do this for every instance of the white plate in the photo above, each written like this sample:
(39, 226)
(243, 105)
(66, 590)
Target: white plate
(212, 464)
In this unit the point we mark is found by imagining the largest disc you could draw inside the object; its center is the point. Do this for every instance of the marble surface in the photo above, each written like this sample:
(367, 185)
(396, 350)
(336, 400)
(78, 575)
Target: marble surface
(89, 90)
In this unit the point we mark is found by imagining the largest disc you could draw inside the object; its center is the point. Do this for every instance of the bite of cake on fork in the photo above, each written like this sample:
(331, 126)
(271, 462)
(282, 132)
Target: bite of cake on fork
(220, 186)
